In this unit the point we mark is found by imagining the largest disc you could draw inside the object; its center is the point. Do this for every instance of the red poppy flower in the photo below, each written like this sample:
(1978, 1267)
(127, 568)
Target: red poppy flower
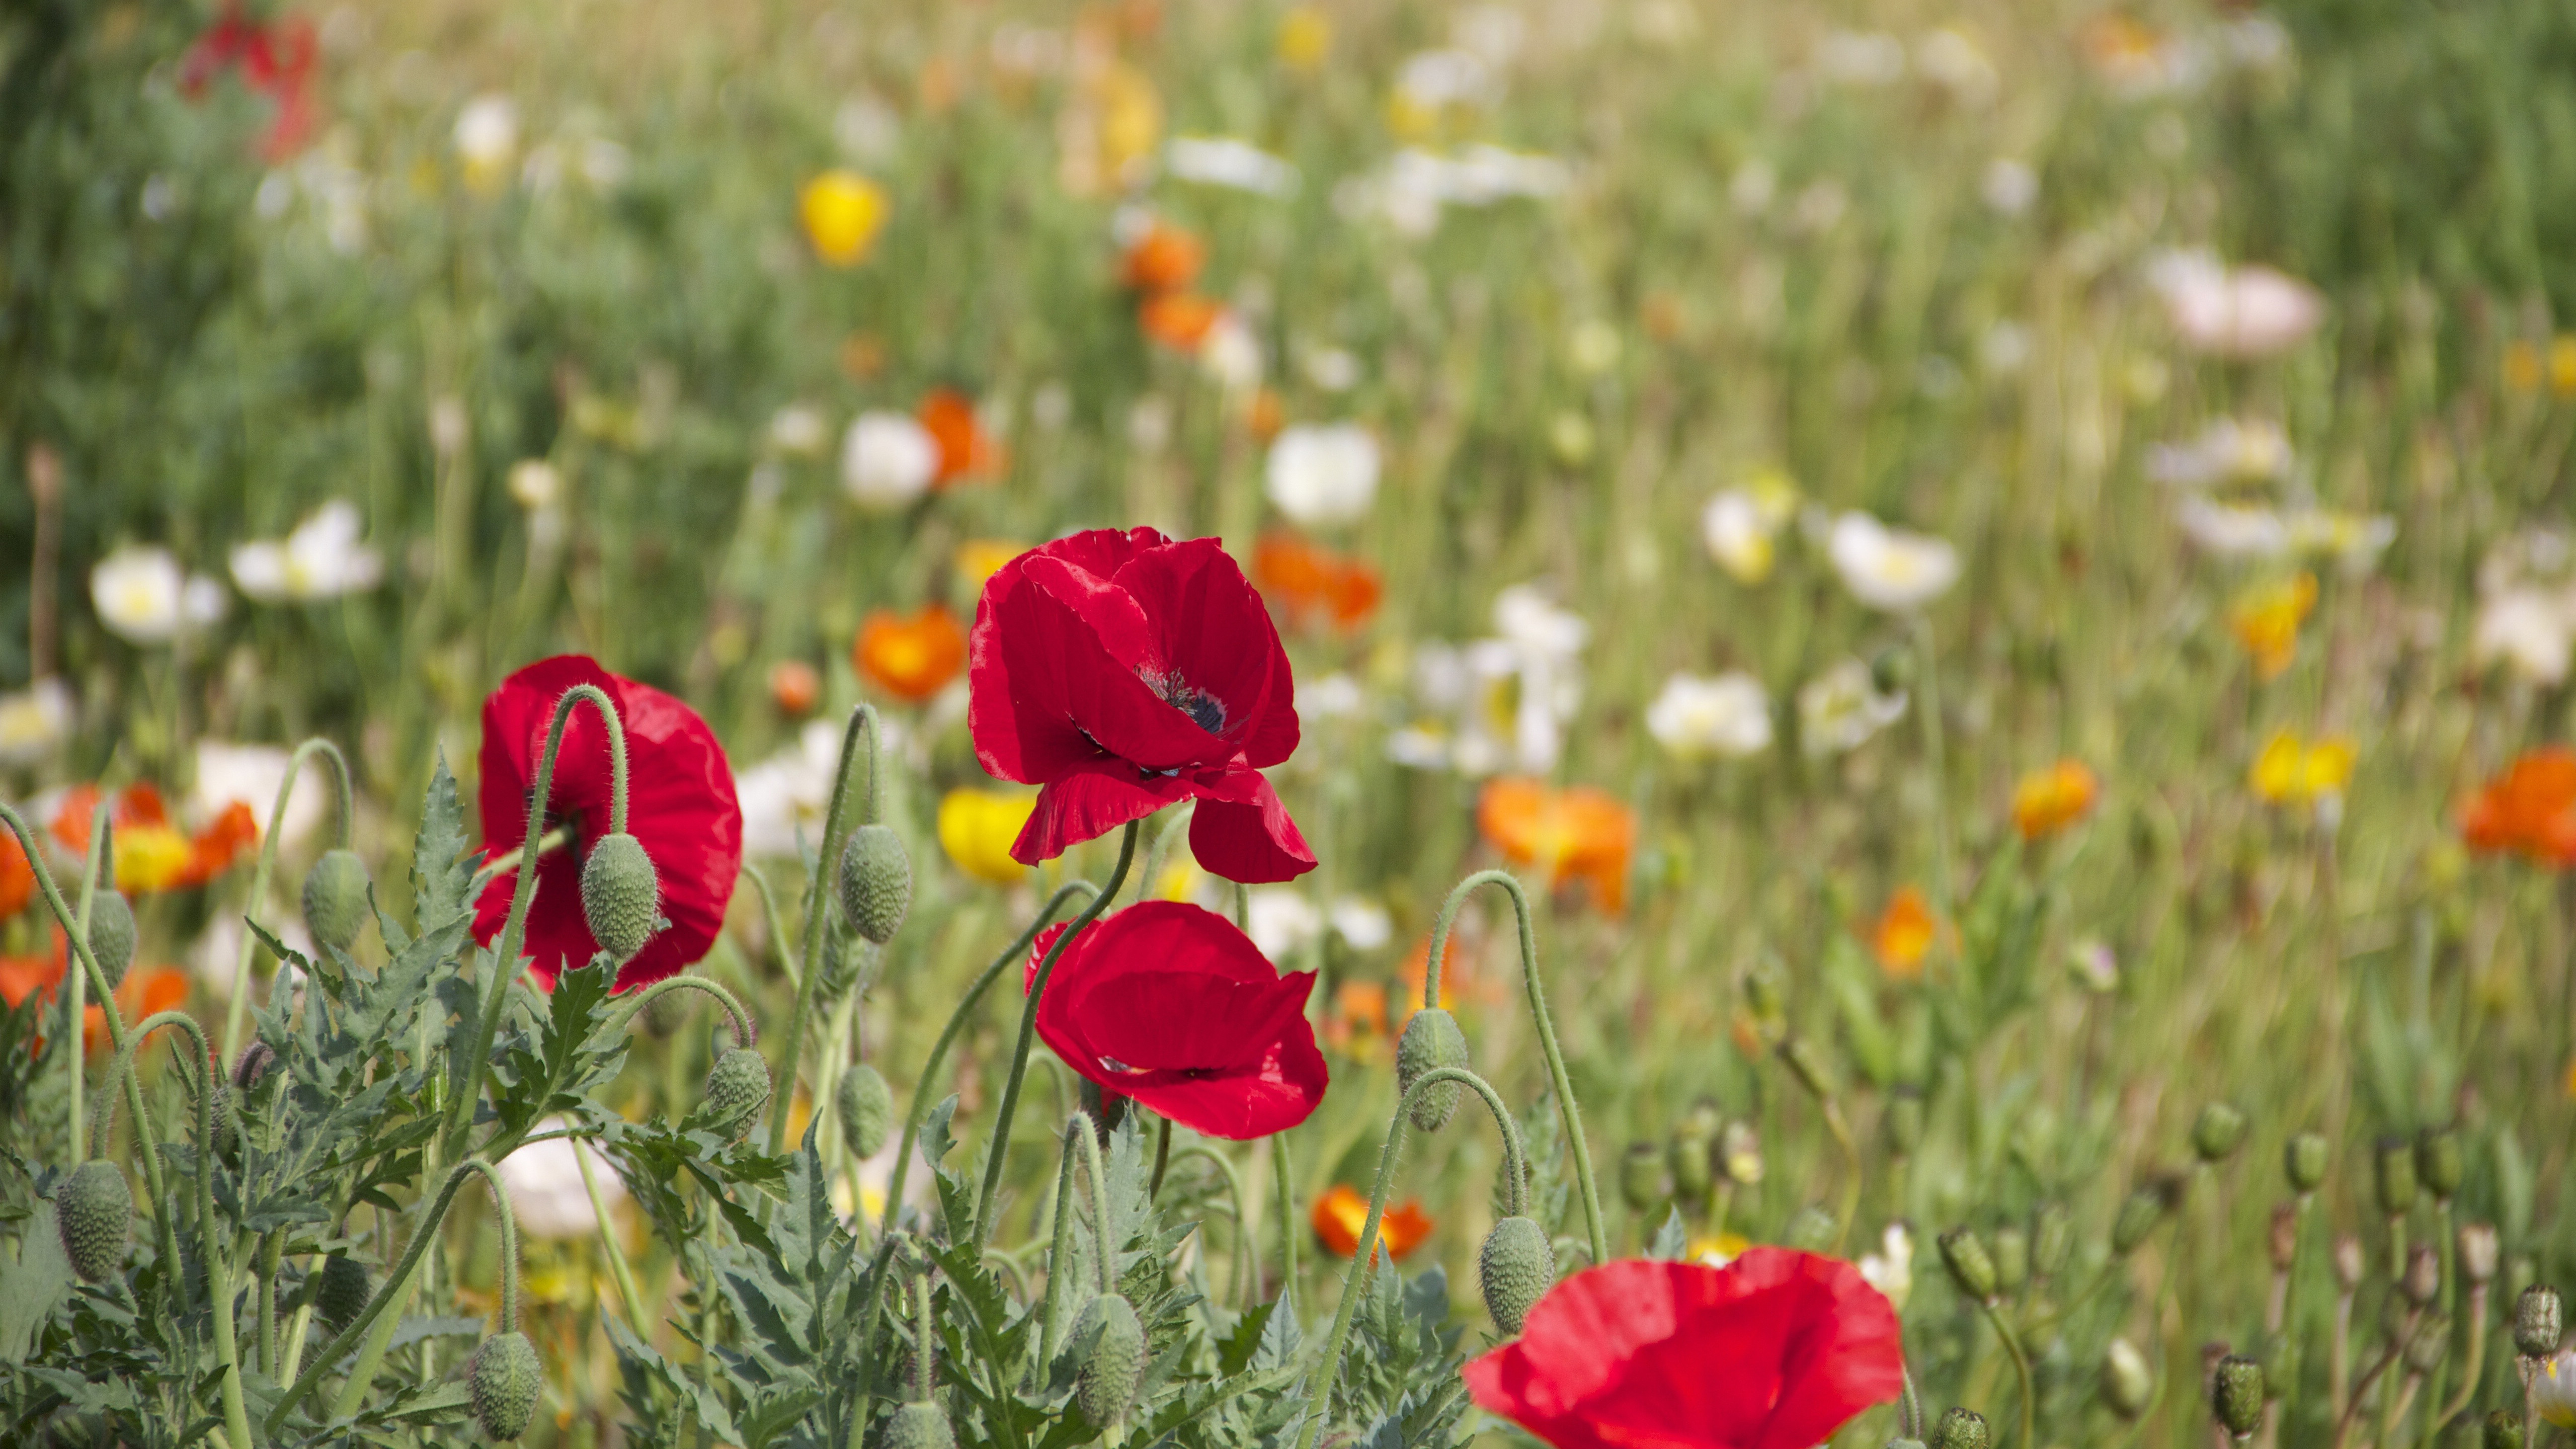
(1126, 672)
(1169, 1004)
(277, 60)
(680, 804)
(1776, 1350)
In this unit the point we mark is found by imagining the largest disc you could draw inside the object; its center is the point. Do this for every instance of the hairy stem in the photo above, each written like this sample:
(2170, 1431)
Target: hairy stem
(818, 898)
(344, 796)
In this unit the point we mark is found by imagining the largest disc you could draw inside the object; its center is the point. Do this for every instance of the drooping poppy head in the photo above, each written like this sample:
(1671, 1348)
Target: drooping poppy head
(1124, 672)
(681, 807)
(1169, 1004)
(1776, 1350)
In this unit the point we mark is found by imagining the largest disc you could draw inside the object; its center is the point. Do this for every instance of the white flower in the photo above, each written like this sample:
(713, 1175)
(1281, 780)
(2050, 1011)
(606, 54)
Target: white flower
(1729, 715)
(216, 955)
(2354, 541)
(1281, 921)
(2530, 630)
(1540, 647)
(1332, 369)
(1320, 475)
(1434, 79)
(1335, 696)
(2227, 451)
(1890, 569)
(144, 597)
(887, 460)
(1841, 708)
(1953, 62)
(543, 1180)
(1417, 184)
(2239, 312)
(1362, 924)
(321, 559)
(783, 797)
(534, 484)
(227, 772)
(1741, 525)
(487, 137)
(798, 430)
(2008, 186)
(2232, 530)
(2553, 1389)
(34, 720)
(1226, 161)
(1890, 1270)
(1231, 353)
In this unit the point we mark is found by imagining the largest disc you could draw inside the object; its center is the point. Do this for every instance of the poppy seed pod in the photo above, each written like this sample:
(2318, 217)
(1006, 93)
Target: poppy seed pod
(504, 1381)
(2303, 1161)
(2536, 1321)
(111, 935)
(2217, 1132)
(345, 1291)
(2139, 1213)
(1961, 1429)
(2236, 1394)
(2392, 1175)
(335, 899)
(922, 1425)
(1106, 1385)
(2503, 1430)
(866, 1105)
(2010, 1248)
(1641, 1176)
(1971, 1267)
(2431, 1341)
(2348, 1262)
(876, 882)
(1430, 1042)
(2478, 1249)
(1691, 1156)
(1516, 1266)
(2438, 1162)
(2423, 1280)
(2127, 1382)
(737, 1090)
(621, 898)
(94, 1209)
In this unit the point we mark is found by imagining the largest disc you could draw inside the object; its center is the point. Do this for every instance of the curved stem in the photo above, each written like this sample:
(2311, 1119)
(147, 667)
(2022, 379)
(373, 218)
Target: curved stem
(617, 1266)
(2472, 1366)
(1240, 1260)
(120, 1072)
(2021, 1368)
(1010, 1102)
(344, 795)
(817, 902)
(75, 1017)
(212, 1235)
(745, 1030)
(1106, 1250)
(769, 917)
(1580, 1150)
(920, 1109)
(1061, 1250)
(1279, 1168)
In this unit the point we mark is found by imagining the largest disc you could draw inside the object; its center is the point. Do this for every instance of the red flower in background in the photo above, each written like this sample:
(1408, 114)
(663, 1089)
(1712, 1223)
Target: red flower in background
(1776, 1350)
(680, 804)
(1125, 672)
(1169, 1004)
(2529, 809)
(276, 59)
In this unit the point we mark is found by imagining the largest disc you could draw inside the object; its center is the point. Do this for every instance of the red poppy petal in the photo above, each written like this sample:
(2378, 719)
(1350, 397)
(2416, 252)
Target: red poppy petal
(1000, 706)
(1209, 625)
(1088, 803)
(1242, 831)
(1182, 1019)
(1282, 1094)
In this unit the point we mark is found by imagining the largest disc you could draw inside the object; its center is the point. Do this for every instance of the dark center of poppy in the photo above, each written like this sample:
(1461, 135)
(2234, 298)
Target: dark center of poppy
(1204, 709)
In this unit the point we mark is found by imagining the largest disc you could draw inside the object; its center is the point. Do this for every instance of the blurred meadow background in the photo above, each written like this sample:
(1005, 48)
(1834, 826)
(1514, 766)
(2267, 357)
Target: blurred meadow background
(2008, 563)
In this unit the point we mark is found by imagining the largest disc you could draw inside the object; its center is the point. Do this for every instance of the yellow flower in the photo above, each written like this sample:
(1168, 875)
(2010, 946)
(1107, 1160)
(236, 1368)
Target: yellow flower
(842, 212)
(2290, 772)
(979, 559)
(151, 857)
(1179, 880)
(1718, 1249)
(1305, 35)
(1131, 119)
(2562, 367)
(2266, 618)
(2047, 801)
(976, 828)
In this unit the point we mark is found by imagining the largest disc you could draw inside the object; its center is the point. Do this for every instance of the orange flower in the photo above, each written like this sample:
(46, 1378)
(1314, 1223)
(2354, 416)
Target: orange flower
(794, 686)
(1358, 1021)
(17, 877)
(2266, 618)
(1582, 833)
(2529, 809)
(911, 658)
(1265, 415)
(2047, 801)
(1314, 582)
(151, 854)
(1178, 320)
(1165, 259)
(1341, 1213)
(965, 449)
(1417, 967)
(1903, 934)
(143, 992)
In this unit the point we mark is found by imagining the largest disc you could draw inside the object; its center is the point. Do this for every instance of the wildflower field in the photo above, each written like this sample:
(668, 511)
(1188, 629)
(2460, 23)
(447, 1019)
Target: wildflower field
(1676, 724)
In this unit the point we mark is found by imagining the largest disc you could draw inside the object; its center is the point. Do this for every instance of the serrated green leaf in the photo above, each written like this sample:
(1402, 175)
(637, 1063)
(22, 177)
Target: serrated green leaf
(442, 873)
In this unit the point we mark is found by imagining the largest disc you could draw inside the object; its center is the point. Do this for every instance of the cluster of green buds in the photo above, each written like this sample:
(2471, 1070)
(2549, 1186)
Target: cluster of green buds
(2303, 1162)
(865, 1104)
(336, 898)
(737, 1092)
(1691, 1155)
(503, 1380)
(2392, 1176)
(621, 897)
(1516, 1266)
(111, 934)
(875, 879)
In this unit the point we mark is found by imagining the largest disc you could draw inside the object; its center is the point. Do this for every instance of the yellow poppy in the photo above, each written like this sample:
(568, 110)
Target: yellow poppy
(842, 212)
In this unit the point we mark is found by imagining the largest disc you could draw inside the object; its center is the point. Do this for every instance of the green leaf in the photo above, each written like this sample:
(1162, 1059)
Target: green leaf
(1235, 1353)
(442, 873)
(1672, 1240)
(30, 1287)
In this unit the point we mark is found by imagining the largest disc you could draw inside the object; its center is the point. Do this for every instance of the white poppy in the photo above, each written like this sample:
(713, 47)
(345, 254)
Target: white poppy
(1321, 475)
(1231, 353)
(1890, 1270)
(321, 559)
(1841, 708)
(487, 138)
(547, 1195)
(1890, 569)
(2529, 630)
(2227, 451)
(798, 430)
(34, 720)
(887, 460)
(1228, 162)
(1362, 924)
(783, 798)
(2241, 312)
(2008, 186)
(1741, 526)
(1281, 921)
(227, 772)
(144, 597)
(2232, 530)
(534, 484)
(1729, 715)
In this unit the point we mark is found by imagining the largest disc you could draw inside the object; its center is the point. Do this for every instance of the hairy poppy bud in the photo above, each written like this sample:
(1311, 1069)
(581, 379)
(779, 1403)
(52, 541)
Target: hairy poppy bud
(2536, 1316)
(621, 897)
(1961, 1429)
(2423, 1280)
(2303, 1161)
(2392, 1175)
(2438, 1163)
(2432, 1340)
(737, 1090)
(1430, 1042)
(1516, 1265)
(922, 1425)
(1971, 1267)
(1641, 1176)
(2478, 1249)
(2236, 1394)
(2010, 1248)
(503, 1380)
(2139, 1213)
(1739, 1153)
(866, 1105)
(227, 1130)
(1106, 1386)
(2503, 1430)
(2348, 1262)
(111, 935)
(251, 1067)
(335, 899)
(876, 882)
(2217, 1132)
(1904, 1121)
(2127, 1382)
(94, 1209)
(346, 1289)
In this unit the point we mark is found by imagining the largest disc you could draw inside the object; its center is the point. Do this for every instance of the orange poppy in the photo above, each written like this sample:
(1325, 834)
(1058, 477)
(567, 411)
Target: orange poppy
(794, 686)
(1582, 833)
(1358, 1021)
(1341, 1213)
(2266, 619)
(1312, 582)
(142, 993)
(2049, 800)
(151, 853)
(1417, 967)
(17, 877)
(1179, 320)
(1903, 934)
(910, 658)
(1265, 415)
(1165, 259)
(965, 449)
(2530, 809)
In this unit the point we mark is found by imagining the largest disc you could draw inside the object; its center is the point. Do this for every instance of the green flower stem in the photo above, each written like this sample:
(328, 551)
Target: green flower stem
(1162, 1157)
(1016, 951)
(2288, 1327)
(344, 795)
(1565, 1104)
(75, 1016)
(2021, 1368)
(925, 1327)
(219, 1288)
(818, 902)
(1364, 1253)
(880, 1266)
(120, 1071)
(398, 1283)
(2446, 1238)
(1060, 1250)
(1279, 1169)
(1929, 677)
(769, 917)
(272, 1255)
(1240, 1261)
(617, 1265)
(745, 1030)
(1107, 1250)
(1010, 1102)
(2472, 1366)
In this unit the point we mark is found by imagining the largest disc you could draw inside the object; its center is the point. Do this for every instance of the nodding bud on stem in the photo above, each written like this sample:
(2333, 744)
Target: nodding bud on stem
(2348, 1262)
(2478, 1250)
(251, 1067)
(1430, 1042)
(866, 1105)
(111, 935)
(2236, 1394)
(94, 1212)
(621, 898)
(2392, 1175)
(1516, 1266)
(335, 899)
(2127, 1382)
(2217, 1132)
(503, 1381)
(2139, 1213)
(1106, 1383)
(920, 1425)
(737, 1091)
(876, 882)
(2536, 1326)
(2303, 1162)
(2503, 1431)
(346, 1287)
(2423, 1280)
(1692, 1158)
(1971, 1267)
(1962, 1429)
(2438, 1162)
(1641, 1176)
(2432, 1340)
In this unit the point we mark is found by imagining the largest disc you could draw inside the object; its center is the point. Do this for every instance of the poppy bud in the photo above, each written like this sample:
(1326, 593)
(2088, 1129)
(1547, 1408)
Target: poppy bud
(94, 1210)
(1739, 1153)
(2303, 1161)
(2437, 1161)
(227, 1132)
(2127, 1382)
(1694, 1171)
(2423, 1280)
(1892, 670)
(111, 935)
(2432, 1340)
(345, 1291)
(621, 898)
(1430, 1042)
(1904, 1121)
(2478, 1252)
(2348, 1262)
(2236, 1394)
(2217, 1132)
(2392, 1175)
(921, 1425)
(2010, 1248)
(866, 1105)
(2536, 1317)
(1961, 1429)
(1641, 1176)
(504, 1380)
(1106, 1385)
(876, 882)
(2139, 1213)
(335, 898)
(2504, 1430)
(1807, 1063)
(2285, 1237)
(1516, 1266)
(1971, 1267)
(737, 1090)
